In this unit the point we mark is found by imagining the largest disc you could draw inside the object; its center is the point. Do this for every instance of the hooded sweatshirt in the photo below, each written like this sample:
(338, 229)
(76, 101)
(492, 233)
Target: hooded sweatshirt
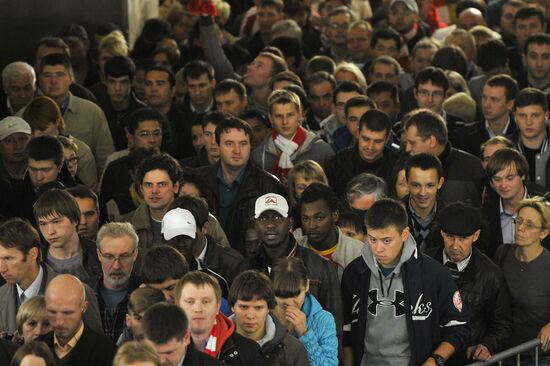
(386, 337)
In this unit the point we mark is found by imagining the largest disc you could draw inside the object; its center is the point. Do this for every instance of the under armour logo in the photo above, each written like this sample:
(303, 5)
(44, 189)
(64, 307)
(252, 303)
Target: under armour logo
(398, 302)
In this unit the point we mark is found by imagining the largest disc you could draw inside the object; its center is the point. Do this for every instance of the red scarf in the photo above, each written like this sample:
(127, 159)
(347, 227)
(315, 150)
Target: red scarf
(199, 7)
(282, 173)
(221, 331)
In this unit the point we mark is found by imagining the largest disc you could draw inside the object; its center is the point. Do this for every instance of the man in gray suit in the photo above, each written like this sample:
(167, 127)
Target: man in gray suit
(26, 276)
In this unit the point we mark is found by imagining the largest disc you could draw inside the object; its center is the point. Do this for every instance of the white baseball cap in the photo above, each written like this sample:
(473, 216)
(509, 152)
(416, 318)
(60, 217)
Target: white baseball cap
(13, 124)
(178, 222)
(271, 201)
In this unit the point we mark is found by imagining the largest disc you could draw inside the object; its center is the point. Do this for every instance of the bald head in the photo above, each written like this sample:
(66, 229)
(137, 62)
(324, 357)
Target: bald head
(469, 18)
(65, 302)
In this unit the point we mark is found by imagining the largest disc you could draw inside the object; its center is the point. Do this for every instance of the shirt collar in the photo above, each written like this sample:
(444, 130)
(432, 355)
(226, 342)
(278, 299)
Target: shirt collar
(430, 216)
(501, 205)
(492, 134)
(208, 108)
(71, 343)
(237, 181)
(34, 288)
(462, 264)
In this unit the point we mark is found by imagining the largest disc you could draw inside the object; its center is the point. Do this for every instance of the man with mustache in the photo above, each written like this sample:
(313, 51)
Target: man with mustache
(117, 249)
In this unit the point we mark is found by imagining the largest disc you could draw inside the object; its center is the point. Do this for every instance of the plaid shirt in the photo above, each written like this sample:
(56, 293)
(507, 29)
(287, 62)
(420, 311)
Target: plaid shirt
(113, 320)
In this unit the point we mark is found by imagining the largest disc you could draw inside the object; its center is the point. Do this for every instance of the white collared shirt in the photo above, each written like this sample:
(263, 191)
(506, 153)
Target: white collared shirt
(490, 131)
(460, 265)
(34, 288)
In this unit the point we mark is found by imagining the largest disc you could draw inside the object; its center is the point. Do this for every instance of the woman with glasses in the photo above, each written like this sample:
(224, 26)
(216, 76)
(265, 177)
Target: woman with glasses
(70, 153)
(526, 266)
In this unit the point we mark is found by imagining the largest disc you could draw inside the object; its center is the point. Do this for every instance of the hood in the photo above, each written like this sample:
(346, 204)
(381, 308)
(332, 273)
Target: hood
(409, 249)
(311, 306)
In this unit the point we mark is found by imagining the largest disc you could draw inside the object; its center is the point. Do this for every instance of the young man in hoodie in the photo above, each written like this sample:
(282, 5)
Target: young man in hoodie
(199, 295)
(252, 299)
(400, 306)
(289, 142)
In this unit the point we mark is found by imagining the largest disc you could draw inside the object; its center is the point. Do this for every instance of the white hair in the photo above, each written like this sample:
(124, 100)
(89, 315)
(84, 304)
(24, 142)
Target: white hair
(17, 69)
(287, 27)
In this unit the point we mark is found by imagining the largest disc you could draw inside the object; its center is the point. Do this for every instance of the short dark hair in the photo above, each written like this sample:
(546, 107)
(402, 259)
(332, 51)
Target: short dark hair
(52, 42)
(318, 78)
(290, 47)
(320, 63)
(285, 76)
(36, 348)
(214, 117)
(57, 202)
(507, 82)
(81, 191)
(229, 123)
(171, 55)
(492, 54)
(318, 191)
(171, 76)
(380, 87)
(19, 234)
(162, 161)
(385, 213)
(161, 263)
(142, 115)
(278, 64)
(190, 176)
(432, 74)
(253, 113)
(252, 285)
(424, 161)
(163, 322)
(55, 59)
(527, 97)
(504, 158)
(196, 205)
(529, 11)
(120, 66)
(385, 60)
(385, 33)
(137, 156)
(537, 38)
(359, 101)
(347, 86)
(353, 220)
(450, 58)
(428, 124)
(196, 68)
(375, 120)
(227, 85)
(43, 148)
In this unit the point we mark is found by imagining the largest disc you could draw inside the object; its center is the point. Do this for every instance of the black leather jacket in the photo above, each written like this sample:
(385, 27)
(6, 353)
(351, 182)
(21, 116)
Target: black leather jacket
(485, 293)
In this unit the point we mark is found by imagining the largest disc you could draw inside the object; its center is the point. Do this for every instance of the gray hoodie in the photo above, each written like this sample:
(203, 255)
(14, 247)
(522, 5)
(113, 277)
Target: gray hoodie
(386, 337)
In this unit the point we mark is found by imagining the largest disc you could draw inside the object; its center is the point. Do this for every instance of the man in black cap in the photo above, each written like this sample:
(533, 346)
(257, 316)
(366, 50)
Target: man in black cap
(76, 37)
(480, 281)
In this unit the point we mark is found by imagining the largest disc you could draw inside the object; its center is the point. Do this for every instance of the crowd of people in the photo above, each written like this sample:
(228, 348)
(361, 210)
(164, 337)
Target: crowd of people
(280, 183)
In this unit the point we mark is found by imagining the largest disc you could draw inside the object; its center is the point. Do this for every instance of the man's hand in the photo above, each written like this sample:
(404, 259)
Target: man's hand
(479, 353)
(544, 336)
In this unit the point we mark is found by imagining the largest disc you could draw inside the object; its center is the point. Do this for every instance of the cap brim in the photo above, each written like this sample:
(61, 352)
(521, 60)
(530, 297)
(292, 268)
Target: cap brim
(276, 209)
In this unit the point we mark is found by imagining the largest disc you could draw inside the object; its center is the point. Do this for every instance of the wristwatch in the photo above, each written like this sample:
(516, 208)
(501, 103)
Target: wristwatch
(439, 360)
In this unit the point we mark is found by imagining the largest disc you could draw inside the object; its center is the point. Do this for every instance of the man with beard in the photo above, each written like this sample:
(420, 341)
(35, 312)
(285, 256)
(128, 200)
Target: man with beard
(117, 249)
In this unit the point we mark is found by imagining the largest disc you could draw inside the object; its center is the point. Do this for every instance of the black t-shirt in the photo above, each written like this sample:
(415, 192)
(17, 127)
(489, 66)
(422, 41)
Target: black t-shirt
(530, 155)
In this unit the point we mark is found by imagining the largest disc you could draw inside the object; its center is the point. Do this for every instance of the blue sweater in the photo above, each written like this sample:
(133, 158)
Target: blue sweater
(320, 340)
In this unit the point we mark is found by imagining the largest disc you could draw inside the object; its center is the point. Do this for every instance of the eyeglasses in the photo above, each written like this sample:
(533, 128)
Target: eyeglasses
(72, 161)
(434, 94)
(155, 133)
(508, 178)
(339, 26)
(123, 258)
(518, 221)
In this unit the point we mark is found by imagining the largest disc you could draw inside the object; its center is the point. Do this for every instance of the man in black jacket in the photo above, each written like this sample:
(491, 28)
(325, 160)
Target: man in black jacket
(480, 281)
(72, 341)
(426, 132)
(165, 327)
(273, 226)
(370, 155)
(497, 105)
(185, 227)
(400, 306)
(234, 184)
(508, 173)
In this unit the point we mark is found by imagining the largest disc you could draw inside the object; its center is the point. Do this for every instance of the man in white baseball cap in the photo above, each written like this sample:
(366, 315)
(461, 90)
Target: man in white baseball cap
(274, 226)
(15, 133)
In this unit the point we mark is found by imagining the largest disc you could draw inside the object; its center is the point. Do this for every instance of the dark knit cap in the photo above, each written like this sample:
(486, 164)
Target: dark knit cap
(459, 219)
